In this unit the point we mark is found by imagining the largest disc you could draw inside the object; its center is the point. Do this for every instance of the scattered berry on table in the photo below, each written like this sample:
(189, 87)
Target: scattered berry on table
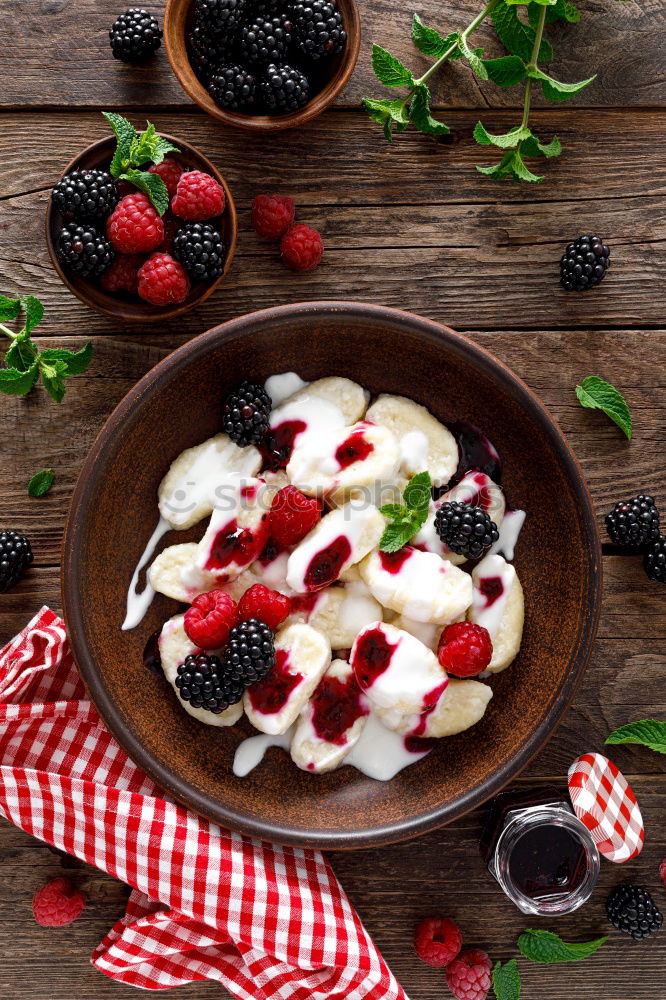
(268, 606)
(200, 249)
(134, 226)
(205, 683)
(210, 619)
(464, 649)
(301, 248)
(437, 941)
(162, 281)
(466, 530)
(170, 171)
(85, 194)
(584, 263)
(284, 88)
(57, 903)
(654, 559)
(220, 17)
(469, 975)
(121, 276)
(198, 197)
(246, 413)
(318, 28)
(293, 515)
(634, 522)
(233, 87)
(272, 215)
(266, 39)
(135, 36)
(84, 250)
(15, 557)
(632, 910)
(250, 652)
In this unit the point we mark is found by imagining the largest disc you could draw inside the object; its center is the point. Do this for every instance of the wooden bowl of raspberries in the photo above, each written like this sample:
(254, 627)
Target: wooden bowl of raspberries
(141, 227)
(262, 65)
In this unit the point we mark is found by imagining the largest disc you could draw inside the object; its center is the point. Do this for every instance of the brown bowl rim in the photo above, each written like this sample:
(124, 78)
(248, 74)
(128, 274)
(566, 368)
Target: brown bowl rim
(128, 311)
(188, 80)
(184, 792)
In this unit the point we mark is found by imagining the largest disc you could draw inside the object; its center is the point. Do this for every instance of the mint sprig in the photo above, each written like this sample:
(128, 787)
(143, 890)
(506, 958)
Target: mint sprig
(409, 517)
(135, 149)
(548, 948)
(647, 733)
(24, 363)
(506, 980)
(596, 394)
(41, 483)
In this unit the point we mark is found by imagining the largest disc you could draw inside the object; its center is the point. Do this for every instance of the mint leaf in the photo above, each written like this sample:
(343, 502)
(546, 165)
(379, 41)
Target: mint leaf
(150, 147)
(540, 3)
(506, 981)
(9, 308)
(126, 135)
(472, 57)
(531, 146)
(548, 948)
(520, 170)
(150, 184)
(407, 518)
(386, 113)
(516, 37)
(498, 170)
(562, 10)
(511, 165)
(22, 353)
(419, 114)
(416, 494)
(428, 41)
(53, 377)
(553, 90)
(506, 71)
(41, 483)
(389, 70)
(14, 382)
(647, 733)
(596, 394)
(75, 362)
(507, 141)
(395, 536)
(34, 312)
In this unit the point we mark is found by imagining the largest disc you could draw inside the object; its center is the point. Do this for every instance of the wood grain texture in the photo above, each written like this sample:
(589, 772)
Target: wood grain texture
(620, 42)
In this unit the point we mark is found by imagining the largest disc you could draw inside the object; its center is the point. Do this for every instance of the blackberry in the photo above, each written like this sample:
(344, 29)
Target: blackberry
(318, 28)
(200, 249)
(246, 413)
(633, 523)
(284, 88)
(205, 52)
(467, 530)
(204, 682)
(631, 910)
(233, 87)
(220, 17)
(84, 250)
(584, 263)
(250, 651)
(135, 36)
(86, 194)
(654, 559)
(15, 557)
(266, 39)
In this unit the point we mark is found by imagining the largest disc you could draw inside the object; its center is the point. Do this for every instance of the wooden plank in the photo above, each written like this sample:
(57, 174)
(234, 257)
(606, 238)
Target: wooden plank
(619, 42)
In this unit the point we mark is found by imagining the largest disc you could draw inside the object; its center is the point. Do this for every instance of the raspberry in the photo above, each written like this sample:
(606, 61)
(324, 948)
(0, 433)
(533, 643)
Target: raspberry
(134, 226)
(57, 903)
(301, 248)
(163, 281)
(122, 275)
(272, 215)
(464, 649)
(170, 171)
(198, 197)
(268, 606)
(210, 619)
(292, 515)
(437, 941)
(468, 976)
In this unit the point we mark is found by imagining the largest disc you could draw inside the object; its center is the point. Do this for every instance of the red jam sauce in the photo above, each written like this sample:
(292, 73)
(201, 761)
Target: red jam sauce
(372, 656)
(475, 453)
(547, 859)
(326, 566)
(336, 705)
(236, 545)
(392, 562)
(492, 589)
(279, 443)
(304, 603)
(270, 695)
(355, 449)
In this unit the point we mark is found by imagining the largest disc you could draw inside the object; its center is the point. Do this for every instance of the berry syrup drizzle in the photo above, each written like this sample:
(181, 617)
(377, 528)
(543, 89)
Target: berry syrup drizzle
(372, 657)
(355, 449)
(475, 453)
(271, 694)
(336, 705)
(326, 566)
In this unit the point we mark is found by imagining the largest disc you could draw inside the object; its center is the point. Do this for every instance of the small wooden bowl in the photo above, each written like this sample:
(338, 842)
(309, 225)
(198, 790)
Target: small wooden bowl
(177, 18)
(124, 308)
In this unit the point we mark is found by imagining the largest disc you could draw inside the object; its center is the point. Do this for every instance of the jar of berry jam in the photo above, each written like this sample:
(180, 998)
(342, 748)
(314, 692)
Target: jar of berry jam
(540, 853)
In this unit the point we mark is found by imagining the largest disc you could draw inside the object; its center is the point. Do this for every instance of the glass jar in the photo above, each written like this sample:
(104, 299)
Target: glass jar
(539, 852)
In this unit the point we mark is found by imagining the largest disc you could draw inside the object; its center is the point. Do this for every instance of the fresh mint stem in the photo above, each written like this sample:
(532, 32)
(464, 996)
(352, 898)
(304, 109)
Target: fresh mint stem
(536, 48)
(7, 332)
(472, 26)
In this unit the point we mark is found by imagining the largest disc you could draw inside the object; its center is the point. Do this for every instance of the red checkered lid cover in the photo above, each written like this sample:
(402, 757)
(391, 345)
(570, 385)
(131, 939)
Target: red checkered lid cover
(604, 802)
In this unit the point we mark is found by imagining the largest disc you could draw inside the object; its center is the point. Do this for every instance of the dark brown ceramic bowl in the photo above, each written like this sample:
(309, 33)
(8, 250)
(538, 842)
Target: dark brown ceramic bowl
(177, 21)
(114, 511)
(129, 308)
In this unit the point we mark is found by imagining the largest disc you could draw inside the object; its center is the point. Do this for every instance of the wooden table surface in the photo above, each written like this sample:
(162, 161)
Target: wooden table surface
(412, 226)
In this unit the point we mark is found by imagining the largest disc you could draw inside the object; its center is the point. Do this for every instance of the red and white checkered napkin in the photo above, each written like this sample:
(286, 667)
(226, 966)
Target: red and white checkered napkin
(603, 800)
(267, 921)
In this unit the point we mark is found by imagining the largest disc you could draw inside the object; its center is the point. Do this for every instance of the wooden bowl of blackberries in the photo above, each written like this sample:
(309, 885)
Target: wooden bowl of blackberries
(262, 64)
(142, 227)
